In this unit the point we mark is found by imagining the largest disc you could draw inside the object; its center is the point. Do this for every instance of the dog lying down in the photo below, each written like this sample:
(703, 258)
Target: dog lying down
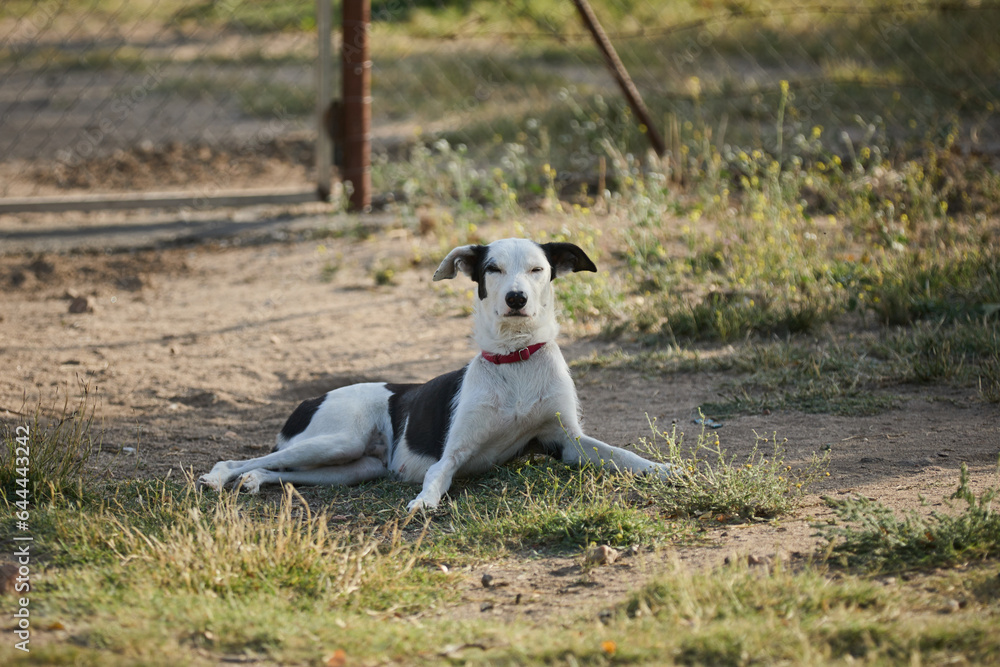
(516, 397)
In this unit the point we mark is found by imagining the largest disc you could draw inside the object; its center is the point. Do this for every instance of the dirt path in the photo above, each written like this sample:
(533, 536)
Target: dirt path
(199, 353)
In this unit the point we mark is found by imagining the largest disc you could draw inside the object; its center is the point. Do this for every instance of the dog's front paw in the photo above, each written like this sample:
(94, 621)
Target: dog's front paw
(422, 502)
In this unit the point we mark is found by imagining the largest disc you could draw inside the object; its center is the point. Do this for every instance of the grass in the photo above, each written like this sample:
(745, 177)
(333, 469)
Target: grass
(736, 615)
(173, 539)
(874, 538)
(205, 577)
(46, 456)
(205, 574)
(539, 505)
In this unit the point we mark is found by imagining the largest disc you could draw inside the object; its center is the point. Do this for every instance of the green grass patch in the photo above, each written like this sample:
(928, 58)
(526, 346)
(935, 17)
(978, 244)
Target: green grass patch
(852, 374)
(534, 504)
(873, 537)
(539, 504)
(735, 616)
(160, 573)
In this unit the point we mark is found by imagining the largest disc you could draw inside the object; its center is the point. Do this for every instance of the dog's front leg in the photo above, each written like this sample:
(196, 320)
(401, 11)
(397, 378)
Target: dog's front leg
(437, 480)
(470, 431)
(585, 449)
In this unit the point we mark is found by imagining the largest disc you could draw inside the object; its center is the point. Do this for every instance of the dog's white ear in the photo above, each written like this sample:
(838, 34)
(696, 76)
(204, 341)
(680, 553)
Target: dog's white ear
(566, 257)
(463, 258)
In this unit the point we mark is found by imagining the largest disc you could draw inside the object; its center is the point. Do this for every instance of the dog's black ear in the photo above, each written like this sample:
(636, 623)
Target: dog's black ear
(467, 259)
(566, 257)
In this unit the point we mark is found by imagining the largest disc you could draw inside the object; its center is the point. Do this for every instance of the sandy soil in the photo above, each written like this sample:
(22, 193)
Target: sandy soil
(198, 353)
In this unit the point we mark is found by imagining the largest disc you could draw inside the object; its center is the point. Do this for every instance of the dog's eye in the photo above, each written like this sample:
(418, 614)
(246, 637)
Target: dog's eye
(538, 269)
(492, 268)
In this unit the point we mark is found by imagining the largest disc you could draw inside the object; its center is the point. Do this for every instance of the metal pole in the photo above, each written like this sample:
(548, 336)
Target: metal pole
(324, 92)
(621, 74)
(357, 103)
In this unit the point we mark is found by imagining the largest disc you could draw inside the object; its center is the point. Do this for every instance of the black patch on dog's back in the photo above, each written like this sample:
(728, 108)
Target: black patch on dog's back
(299, 420)
(429, 407)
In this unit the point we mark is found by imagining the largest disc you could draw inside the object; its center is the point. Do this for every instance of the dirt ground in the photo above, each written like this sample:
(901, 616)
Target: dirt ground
(198, 353)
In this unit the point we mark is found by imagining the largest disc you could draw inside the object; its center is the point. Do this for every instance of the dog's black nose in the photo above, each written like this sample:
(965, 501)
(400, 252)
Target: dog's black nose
(516, 300)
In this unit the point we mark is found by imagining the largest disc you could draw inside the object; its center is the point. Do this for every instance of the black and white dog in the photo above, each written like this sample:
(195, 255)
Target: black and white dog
(514, 398)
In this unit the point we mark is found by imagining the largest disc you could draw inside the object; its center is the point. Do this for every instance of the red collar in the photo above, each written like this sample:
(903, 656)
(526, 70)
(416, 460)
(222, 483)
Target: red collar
(521, 355)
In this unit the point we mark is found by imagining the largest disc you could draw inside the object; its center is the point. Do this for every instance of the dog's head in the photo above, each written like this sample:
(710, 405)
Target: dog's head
(514, 276)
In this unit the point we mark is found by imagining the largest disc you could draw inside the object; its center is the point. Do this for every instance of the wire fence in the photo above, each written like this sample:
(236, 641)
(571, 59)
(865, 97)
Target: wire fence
(102, 96)
(108, 96)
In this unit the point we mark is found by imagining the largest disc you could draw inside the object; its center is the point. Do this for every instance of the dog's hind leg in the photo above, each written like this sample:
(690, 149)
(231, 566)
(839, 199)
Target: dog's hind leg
(355, 472)
(319, 451)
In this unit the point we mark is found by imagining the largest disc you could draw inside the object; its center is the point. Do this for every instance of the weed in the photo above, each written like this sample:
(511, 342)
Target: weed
(384, 273)
(989, 379)
(711, 483)
(876, 539)
(329, 271)
(49, 455)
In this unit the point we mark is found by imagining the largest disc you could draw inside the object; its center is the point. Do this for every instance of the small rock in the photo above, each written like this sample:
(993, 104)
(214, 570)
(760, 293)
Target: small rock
(81, 304)
(487, 580)
(602, 555)
(758, 560)
(486, 606)
(952, 607)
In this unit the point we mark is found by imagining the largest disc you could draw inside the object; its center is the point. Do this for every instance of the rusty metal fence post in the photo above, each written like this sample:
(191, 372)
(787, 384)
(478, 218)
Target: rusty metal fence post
(324, 94)
(356, 117)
